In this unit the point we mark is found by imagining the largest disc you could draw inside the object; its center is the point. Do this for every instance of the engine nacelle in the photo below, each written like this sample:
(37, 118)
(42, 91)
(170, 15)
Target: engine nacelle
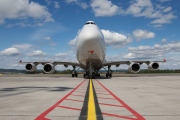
(153, 66)
(49, 68)
(30, 67)
(134, 67)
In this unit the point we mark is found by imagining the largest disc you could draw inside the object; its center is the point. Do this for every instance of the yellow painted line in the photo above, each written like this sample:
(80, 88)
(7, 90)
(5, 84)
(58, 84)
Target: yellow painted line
(91, 106)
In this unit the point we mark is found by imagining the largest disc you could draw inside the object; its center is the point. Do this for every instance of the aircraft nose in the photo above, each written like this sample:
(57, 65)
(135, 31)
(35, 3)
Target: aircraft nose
(90, 36)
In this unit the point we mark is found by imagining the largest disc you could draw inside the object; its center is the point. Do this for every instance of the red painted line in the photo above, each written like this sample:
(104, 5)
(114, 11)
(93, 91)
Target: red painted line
(69, 108)
(114, 115)
(111, 105)
(139, 117)
(102, 93)
(75, 100)
(77, 95)
(42, 116)
(106, 98)
(79, 91)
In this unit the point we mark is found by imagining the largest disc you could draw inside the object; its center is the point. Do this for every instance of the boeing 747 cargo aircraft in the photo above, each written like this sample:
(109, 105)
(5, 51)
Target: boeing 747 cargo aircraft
(91, 53)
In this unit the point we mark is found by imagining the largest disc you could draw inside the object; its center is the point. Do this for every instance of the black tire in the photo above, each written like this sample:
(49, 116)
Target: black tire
(107, 75)
(84, 75)
(110, 75)
(99, 75)
(72, 75)
(93, 75)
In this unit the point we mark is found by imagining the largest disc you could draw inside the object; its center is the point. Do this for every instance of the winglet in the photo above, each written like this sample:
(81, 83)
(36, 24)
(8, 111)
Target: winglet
(164, 60)
(20, 61)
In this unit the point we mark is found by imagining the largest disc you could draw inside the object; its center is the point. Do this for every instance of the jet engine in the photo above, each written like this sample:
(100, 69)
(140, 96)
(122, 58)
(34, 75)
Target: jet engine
(49, 68)
(134, 67)
(30, 67)
(153, 66)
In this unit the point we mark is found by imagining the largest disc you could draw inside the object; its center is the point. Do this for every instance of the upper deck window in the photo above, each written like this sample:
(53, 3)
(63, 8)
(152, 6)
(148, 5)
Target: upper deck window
(90, 23)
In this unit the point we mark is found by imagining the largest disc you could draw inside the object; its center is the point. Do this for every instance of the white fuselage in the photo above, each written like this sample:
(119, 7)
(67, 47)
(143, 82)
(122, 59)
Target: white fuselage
(90, 45)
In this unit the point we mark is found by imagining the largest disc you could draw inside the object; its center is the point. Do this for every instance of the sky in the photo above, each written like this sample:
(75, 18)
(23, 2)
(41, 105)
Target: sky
(45, 30)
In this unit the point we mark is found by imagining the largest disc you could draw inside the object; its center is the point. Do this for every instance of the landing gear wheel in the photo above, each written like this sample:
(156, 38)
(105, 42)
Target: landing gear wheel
(107, 75)
(72, 75)
(93, 75)
(110, 75)
(84, 75)
(98, 75)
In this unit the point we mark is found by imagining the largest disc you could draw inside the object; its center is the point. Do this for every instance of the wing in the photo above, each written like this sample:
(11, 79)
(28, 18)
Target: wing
(117, 63)
(49, 67)
(134, 66)
(54, 63)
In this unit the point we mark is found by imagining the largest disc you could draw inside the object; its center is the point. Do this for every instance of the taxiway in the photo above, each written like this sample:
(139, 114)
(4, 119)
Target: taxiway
(137, 97)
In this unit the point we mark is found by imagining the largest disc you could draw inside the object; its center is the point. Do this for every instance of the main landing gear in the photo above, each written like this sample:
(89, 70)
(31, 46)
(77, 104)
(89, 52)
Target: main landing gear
(74, 72)
(109, 72)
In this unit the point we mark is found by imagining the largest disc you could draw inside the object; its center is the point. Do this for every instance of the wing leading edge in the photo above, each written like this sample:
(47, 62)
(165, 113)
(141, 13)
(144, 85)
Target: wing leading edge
(134, 66)
(54, 63)
(49, 67)
(117, 63)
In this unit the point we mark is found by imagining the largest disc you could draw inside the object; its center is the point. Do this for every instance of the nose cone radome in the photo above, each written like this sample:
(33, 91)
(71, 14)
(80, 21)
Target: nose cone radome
(90, 37)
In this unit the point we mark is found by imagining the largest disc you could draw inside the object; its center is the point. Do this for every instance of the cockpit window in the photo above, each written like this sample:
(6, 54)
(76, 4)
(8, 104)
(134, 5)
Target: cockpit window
(90, 23)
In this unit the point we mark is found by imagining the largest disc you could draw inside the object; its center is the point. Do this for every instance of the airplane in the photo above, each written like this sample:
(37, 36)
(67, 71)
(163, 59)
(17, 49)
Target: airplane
(90, 54)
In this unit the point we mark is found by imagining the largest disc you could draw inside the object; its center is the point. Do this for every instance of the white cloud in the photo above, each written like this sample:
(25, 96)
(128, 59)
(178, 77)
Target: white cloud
(36, 53)
(164, 0)
(10, 52)
(56, 4)
(158, 14)
(22, 10)
(115, 39)
(52, 44)
(48, 2)
(145, 8)
(77, 2)
(164, 19)
(163, 40)
(72, 42)
(130, 55)
(61, 55)
(143, 52)
(104, 8)
(138, 6)
(167, 9)
(23, 46)
(143, 34)
(47, 38)
(154, 52)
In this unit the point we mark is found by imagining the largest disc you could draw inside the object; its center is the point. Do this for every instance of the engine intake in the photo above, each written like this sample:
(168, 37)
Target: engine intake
(153, 66)
(49, 68)
(134, 67)
(30, 67)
